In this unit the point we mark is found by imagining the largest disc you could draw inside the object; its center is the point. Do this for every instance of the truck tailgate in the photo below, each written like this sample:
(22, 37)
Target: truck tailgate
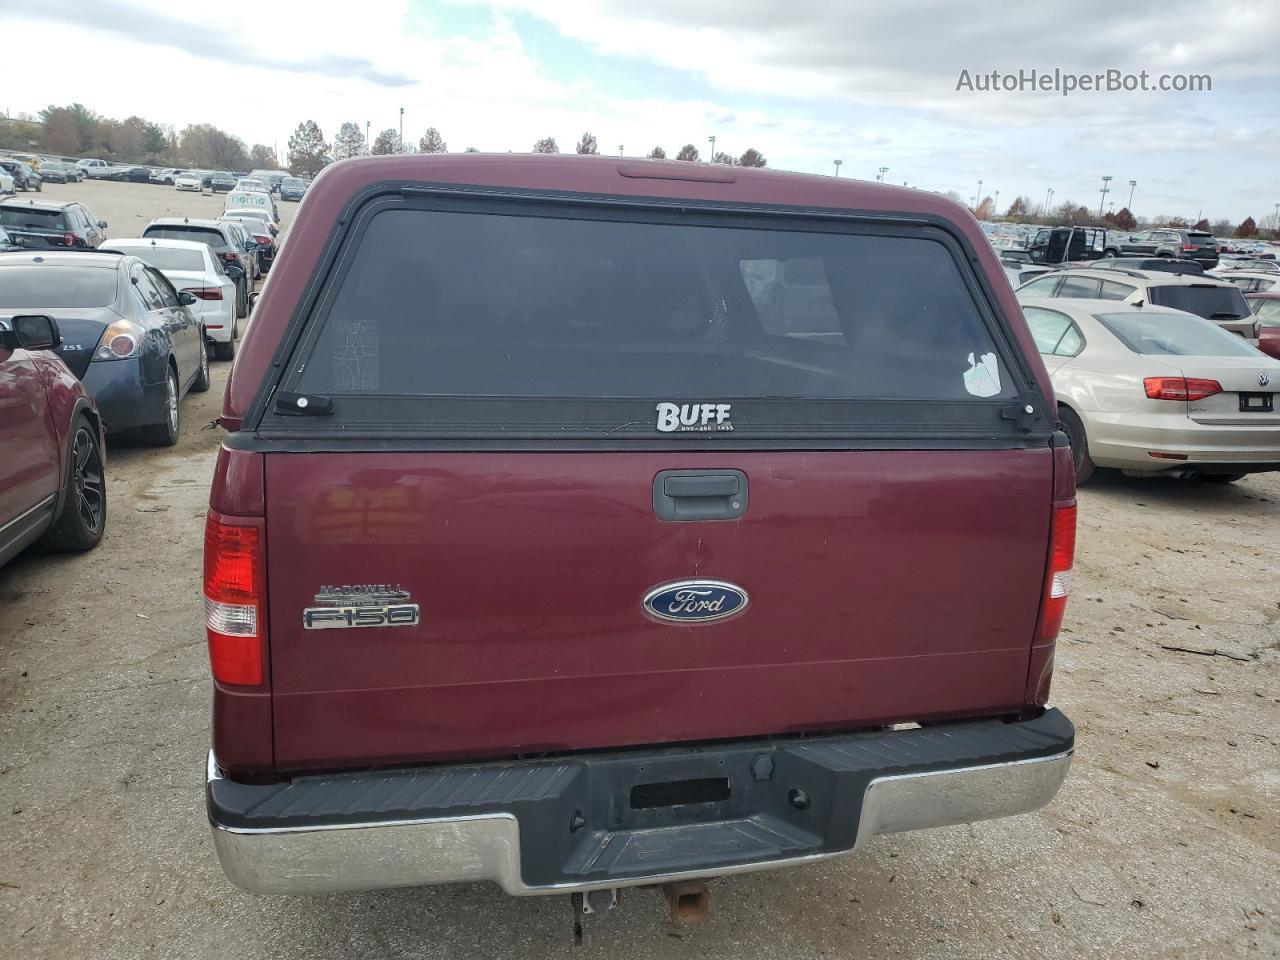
(884, 586)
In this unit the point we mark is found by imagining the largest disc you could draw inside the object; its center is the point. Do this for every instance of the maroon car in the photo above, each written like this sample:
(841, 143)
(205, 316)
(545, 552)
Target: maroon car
(1266, 307)
(52, 482)
(585, 523)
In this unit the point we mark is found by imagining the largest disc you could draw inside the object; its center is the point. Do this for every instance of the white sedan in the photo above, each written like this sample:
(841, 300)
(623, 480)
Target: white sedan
(191, 266)
(189, 181)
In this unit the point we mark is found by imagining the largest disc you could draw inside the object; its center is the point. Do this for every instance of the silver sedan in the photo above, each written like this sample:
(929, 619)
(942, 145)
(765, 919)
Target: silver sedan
(1153, 390)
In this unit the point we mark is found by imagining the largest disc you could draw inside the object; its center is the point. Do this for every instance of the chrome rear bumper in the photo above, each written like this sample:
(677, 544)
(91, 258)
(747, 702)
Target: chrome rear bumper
(372, 853)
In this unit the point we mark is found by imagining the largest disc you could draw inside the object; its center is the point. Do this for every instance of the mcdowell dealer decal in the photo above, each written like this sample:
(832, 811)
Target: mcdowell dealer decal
(360, 605)
(702, 417)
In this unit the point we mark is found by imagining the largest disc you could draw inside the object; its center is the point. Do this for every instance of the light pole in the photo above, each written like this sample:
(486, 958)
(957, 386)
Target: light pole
(978, 200)
(619, 149)
(996, 204)
(880, 172)
(1132, 184)
(1105, 187)
(402, 129)
(838, 162)
(1048, 198)
(368, 147)
(712, 158)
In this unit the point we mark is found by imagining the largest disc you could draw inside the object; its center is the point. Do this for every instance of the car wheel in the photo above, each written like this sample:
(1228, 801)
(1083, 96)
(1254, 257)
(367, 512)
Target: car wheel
(202, 378)
(165, 433)
(1074, 430)
(83, 518)
(242, 300)
(1108, 255)
(1220, 477)
(40, 187)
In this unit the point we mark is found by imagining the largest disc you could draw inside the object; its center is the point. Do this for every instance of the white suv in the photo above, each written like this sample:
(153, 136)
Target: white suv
(1215, 300)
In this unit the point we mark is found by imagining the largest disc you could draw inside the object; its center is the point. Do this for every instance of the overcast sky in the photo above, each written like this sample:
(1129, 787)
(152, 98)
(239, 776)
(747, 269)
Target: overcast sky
(804, 81)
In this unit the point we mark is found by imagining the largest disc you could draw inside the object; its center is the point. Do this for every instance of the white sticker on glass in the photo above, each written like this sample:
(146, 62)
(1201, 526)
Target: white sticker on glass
(982, 379)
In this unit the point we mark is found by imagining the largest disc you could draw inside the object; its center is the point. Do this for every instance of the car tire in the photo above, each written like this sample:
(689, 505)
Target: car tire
(83, 517)
(40, 187)
(1109, 255)
(1074, 430)
(226, 351)
(202, 380)
(1220, 477)
(165, 433)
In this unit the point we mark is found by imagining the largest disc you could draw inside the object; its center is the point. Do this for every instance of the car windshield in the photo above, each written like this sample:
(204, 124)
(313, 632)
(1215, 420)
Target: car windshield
(33, 217)
(164, 258)
(1174, 334)
(54, 287)
(1212, 303)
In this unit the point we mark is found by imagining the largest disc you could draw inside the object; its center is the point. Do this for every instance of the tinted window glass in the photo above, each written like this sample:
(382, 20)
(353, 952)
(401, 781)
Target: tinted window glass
(1174, 334)
(1268, 312)
(464, 305)
(792, 297)
(33, 217)
(1079, 287)
(1115, 291)
(1047, 327)
(165, 258)
(56, 286)
(1213, 303)
(147, 290)
(212, 238)
(168, 296)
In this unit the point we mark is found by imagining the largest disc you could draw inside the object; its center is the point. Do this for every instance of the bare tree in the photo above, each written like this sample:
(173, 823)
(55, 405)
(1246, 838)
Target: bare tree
(588, 144)
(1018, 209)
(432, 142)
(349, 142)
(688, 152)
(263, 157)
(751, 157)
(386, 142)
(546, 145)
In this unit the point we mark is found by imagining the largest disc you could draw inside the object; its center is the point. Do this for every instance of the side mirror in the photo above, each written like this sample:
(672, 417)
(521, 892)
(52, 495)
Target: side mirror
(233, 271)
(253, 300)
(186, 298)
(102, 224)
(36, 332)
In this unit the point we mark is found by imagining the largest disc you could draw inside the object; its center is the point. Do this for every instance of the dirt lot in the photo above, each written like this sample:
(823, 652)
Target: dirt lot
(1165, 841)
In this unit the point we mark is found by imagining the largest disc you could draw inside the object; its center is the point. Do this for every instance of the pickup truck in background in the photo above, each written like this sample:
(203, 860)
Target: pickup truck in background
(555, 540)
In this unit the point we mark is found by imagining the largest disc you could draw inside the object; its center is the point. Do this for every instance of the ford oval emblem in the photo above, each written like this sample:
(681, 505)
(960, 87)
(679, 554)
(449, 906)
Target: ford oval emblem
(695, 601)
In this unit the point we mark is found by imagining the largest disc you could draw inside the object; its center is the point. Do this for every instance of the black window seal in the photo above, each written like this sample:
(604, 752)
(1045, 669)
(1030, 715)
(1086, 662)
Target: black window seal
(337, 254)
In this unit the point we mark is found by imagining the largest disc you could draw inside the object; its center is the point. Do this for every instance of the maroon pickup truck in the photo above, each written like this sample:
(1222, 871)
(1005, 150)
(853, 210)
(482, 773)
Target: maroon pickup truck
(584, 523)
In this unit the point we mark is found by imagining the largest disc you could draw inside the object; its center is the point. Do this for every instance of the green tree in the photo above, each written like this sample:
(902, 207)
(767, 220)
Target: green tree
(657, 153)
(308, 152)
(471, 150)
(722, 157)
(751, 157)
(688, 152)
(546, 145)
(155, 141)
(587, 144)
(432, 142)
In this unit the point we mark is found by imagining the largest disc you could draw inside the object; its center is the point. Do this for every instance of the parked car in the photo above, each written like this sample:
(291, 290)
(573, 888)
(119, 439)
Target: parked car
(166, 175)
(192, 268)
(1159, 264)
(93, 168)
(7, 182)
(54, 172)
(7, 243)
(257, 230)
(1250, 281)
(52, 223)
(250, 183)
(125, 332)
(1062, 244)
(136, 174)
(30, 159)
(491, 407)
(222, 240)
(1204, 296)
(272, 178)
(241, 200)
(53, 485)
(1266, 307)
(222, 182)
(24, 176)
(1171, 242)
(242, 240)
(190, 180)
(1149, 390)
(293, 188)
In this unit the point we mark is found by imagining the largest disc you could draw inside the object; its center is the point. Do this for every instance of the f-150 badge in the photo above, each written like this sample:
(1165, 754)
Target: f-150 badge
(360, 605)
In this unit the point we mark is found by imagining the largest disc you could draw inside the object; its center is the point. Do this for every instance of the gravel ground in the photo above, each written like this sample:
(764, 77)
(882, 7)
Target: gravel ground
(1165, 841)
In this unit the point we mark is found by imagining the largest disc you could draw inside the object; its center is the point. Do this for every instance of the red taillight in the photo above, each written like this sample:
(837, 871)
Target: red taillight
(1189, 246)
(229, 257)
(1062, 554)
(262, 240)
(205, 293)
(233, 601)
(1180, 388)
(69, 239)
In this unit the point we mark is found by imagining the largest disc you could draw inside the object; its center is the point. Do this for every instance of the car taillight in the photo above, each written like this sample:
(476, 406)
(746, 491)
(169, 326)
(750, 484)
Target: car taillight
(205, 293)
(230, 256)
(233, 600)
(1062, 554)
(1180, 388)
(265, 241)
(69, 239)
(1189, 246)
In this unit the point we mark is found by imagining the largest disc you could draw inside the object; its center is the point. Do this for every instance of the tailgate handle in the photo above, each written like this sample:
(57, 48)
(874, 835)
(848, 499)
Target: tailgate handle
(700, 494)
